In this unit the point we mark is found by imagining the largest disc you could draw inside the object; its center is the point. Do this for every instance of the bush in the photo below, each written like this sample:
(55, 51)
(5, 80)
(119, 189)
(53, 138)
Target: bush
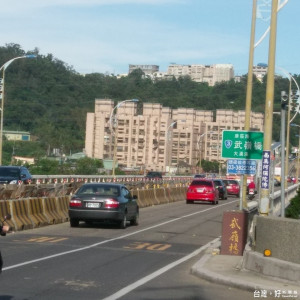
(293, 210)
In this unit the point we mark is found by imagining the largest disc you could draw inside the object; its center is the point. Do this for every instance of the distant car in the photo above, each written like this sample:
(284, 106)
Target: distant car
(14, 175)
(233, 187)
(199, 176)
(154, 175)
(222, 188)
(94, 202)
(277, 182)
(202, 190)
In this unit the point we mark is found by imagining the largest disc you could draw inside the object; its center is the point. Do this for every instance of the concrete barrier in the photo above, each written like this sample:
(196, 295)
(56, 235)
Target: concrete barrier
(51, 211)
(20, 214)
(150, 197)
(160, 196)
(63, 206)
(141, 198)
(36, 212)
(176, 194)
(5, 209)
(280, 235)
(183, 190)
(169, 194)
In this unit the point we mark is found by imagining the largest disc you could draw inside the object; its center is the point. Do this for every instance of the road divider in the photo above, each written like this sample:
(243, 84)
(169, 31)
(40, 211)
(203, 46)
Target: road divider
(33, 212)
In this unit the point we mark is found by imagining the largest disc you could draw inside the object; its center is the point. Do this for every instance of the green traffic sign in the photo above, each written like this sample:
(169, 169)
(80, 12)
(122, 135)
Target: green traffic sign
(242, 144)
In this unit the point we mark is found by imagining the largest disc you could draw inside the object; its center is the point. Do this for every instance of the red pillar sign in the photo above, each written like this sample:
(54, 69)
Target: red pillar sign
(234, 232)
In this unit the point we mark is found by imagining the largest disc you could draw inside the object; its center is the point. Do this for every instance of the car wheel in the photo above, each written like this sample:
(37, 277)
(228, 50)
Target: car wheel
(123, 223)
(135, 220)
(74, 222)
(189, 202)
(237, 196)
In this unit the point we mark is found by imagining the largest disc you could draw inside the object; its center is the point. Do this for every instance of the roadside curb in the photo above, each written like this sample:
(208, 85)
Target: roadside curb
(228, 270)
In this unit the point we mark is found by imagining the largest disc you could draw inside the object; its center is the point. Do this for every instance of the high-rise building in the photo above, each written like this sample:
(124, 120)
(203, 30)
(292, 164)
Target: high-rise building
(159, 138)
(147, 69)
(203, 73)
(260, 71)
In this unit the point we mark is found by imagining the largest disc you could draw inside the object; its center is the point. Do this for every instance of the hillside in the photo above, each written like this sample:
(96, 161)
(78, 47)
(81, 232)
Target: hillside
(50, 99)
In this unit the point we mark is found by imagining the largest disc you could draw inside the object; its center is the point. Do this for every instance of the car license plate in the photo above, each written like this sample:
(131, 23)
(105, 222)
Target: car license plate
(93, 205)
(199, 190)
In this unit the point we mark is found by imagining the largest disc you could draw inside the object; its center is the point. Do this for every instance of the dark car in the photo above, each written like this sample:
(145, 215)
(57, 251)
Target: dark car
(95, 202)
(14, 175)
(199, 176)
(277, 182)
(202, 190)
(154, 175)
(222, 188)
(233, 187)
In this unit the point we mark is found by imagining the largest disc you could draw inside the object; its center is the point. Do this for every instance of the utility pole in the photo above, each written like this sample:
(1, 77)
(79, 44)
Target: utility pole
(264, 205)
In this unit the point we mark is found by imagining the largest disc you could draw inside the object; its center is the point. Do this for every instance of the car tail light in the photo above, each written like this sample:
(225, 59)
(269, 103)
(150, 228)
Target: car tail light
(111, 203)
(75, 202)
(210, 191)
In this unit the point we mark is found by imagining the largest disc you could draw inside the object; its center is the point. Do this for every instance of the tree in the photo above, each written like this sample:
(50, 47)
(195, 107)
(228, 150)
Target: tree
(88, 166)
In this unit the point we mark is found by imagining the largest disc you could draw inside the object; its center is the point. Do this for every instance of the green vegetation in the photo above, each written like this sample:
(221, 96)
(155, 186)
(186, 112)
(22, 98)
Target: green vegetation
(293, 210)
(49, 99)
(82, 166)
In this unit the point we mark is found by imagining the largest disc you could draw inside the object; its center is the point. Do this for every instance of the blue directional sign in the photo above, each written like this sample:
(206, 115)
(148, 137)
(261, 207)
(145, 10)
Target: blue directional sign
(241, 166)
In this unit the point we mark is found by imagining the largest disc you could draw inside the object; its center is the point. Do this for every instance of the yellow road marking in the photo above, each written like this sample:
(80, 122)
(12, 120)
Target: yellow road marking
(46, 239)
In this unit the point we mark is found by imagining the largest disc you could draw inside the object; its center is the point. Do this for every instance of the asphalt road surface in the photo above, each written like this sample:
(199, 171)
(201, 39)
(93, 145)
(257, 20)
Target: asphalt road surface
(101, 261)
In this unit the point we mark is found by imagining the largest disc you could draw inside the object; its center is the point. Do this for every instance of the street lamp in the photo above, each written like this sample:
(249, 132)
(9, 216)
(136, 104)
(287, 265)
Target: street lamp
(291, 97)
(113, 115)
(200, 148)
(298, 135)
(169, 155)
(2, 80)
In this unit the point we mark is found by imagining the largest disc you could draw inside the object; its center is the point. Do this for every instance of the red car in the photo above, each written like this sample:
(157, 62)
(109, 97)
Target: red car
(202, 190)
(233, 187)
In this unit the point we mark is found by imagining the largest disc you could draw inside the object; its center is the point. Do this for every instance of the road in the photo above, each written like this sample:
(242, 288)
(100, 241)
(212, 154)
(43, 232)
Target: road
(149, 261)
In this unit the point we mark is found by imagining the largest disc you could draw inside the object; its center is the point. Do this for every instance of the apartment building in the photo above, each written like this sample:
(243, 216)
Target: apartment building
(159, 138)
(203, 73)
(260, 71)
(147, 69)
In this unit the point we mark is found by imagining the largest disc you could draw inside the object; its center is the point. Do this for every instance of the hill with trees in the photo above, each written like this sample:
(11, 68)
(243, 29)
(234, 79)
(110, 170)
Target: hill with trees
(50, 99)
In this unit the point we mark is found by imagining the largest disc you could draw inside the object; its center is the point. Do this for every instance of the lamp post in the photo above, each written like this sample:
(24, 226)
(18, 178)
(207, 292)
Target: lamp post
(113, 130)
(298, 135)
(264, 205)
(291, 97)
(284, 103)
(200, 148)
(2, 94)
(169, 155)
(297, 172)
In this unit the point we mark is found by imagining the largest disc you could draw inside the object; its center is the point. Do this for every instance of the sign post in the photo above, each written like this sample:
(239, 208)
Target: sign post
(246, 146)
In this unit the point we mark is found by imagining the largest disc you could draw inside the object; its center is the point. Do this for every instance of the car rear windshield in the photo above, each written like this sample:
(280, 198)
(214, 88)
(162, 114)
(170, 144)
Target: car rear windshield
(201, 182)
(99, 190)
(218, 182)
(232, 182)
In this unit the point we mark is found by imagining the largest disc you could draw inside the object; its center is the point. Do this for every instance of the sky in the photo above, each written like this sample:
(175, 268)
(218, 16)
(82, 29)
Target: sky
(105, 36)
